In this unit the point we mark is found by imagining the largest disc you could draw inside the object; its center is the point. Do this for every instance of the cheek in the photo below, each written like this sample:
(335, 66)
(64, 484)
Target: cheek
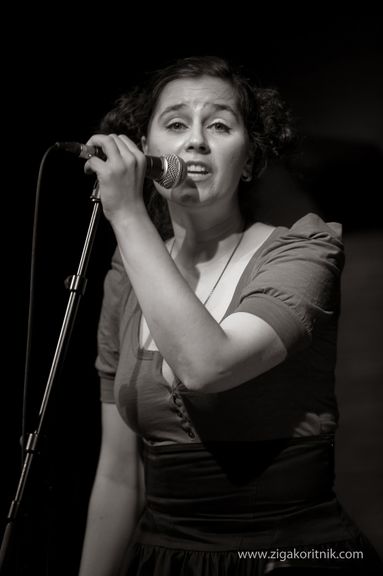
(235, 154)
(234, 162)
(158, 143)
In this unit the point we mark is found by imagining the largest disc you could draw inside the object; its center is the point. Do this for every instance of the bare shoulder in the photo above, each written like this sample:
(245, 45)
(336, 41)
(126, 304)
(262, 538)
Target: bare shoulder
(255, 235)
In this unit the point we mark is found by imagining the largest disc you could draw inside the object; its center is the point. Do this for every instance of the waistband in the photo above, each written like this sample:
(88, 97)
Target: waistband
(240, 494)
(284, 472)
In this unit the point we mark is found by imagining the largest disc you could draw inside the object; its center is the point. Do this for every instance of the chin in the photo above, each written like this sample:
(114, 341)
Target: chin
(183, 195)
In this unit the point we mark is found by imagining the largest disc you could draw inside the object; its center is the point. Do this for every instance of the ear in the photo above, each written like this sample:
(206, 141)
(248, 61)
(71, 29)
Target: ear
(144, 145)
(247, 170)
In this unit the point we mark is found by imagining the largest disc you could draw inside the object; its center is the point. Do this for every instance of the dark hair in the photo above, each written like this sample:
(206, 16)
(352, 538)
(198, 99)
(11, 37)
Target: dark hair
(265, 115)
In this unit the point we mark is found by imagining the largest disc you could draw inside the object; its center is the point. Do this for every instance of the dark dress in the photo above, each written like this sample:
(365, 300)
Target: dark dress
(241, 481)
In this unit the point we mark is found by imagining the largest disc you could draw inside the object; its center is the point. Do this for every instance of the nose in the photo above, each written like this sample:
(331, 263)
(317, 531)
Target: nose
(197, 140)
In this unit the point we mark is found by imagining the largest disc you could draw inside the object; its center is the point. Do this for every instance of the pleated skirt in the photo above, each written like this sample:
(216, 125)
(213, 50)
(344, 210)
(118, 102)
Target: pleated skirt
(249, 508)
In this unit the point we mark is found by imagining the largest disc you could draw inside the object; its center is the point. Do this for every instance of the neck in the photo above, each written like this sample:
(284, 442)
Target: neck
(202, 235)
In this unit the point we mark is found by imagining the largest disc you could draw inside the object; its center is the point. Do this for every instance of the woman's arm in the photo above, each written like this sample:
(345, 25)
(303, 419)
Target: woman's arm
(204, 354)
(116, 500)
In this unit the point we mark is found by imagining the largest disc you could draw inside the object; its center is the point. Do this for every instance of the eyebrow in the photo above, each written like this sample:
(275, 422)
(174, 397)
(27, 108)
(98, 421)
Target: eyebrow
(216, 108)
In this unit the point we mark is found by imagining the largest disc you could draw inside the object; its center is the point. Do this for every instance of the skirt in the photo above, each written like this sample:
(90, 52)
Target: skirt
(249, 508)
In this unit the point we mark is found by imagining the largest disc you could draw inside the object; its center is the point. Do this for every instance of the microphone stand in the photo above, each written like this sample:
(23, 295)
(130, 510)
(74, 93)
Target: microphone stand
(76, 284)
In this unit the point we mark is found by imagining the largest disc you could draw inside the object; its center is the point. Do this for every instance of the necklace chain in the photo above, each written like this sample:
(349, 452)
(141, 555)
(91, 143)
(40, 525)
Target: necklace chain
(224, 268)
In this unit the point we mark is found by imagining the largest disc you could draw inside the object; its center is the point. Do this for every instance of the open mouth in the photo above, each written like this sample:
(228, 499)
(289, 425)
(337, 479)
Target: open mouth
(197, 169)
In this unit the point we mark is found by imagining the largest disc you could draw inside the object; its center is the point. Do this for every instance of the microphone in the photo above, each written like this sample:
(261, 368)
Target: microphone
(168, 170)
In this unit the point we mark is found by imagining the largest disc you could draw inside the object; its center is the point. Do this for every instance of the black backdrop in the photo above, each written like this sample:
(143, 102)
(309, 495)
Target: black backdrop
(57, 84)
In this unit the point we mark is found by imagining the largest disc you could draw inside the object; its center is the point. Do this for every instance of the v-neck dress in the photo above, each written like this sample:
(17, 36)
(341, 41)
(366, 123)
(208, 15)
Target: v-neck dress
(292, 282)
(241, 481)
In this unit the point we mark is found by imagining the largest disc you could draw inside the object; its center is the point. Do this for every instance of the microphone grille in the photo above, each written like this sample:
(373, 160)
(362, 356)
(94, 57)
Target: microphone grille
(174, 173)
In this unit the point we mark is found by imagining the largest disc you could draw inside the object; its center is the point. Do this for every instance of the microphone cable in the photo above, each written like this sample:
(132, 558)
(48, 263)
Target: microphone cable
(31, 300)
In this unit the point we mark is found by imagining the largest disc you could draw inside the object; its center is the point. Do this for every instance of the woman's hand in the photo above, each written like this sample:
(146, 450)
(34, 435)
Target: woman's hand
(120, 176)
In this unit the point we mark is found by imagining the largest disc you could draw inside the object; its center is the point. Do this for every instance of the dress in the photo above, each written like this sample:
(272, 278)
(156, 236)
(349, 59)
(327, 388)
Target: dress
(240, 481)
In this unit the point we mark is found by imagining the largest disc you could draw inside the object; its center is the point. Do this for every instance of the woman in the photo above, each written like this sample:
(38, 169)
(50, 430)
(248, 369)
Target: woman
(217, 343)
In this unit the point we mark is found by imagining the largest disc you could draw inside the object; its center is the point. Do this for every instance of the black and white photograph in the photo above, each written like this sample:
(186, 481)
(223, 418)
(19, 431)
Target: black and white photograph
(193, 281)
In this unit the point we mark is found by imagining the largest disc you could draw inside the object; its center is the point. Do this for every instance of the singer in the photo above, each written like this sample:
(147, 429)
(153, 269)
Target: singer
(216, 346)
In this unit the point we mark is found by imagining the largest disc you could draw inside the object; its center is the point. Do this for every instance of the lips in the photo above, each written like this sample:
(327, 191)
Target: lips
(197, 168)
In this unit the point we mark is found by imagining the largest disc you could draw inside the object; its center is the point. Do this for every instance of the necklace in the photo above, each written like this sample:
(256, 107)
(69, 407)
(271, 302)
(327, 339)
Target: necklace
(223, 269)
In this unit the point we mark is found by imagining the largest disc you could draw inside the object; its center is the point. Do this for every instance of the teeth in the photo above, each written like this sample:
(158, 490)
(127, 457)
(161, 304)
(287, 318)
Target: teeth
(198, 169)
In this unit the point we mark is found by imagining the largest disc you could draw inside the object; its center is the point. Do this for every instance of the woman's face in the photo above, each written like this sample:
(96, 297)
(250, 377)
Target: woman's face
(198, 119)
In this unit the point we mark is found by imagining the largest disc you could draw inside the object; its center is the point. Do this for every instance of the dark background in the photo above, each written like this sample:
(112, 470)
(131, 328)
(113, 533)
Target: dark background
(59, 78)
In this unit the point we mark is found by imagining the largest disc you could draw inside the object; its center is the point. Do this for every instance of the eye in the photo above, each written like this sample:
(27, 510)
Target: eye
(220, 127)
(176, 125)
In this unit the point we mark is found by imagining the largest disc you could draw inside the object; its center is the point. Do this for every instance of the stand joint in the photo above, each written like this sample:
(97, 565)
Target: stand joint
(76, 283)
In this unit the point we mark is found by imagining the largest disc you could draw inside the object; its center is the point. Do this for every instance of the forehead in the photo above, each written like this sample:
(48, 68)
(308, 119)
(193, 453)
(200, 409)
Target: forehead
(197, 93)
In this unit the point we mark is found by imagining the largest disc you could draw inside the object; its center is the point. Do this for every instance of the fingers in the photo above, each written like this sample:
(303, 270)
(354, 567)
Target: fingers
(132, 156)
(108, 146)
(125, 143)
(121, 154)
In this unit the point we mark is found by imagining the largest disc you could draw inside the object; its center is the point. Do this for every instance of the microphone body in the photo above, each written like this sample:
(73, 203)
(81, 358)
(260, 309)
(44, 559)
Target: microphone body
(169, 170)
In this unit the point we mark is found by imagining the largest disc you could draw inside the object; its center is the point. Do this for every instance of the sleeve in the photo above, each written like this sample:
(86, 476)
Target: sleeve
(296, 284)
(116, 288)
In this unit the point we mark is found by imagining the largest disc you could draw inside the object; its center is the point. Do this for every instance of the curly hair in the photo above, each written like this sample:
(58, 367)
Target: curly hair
(266, 118)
